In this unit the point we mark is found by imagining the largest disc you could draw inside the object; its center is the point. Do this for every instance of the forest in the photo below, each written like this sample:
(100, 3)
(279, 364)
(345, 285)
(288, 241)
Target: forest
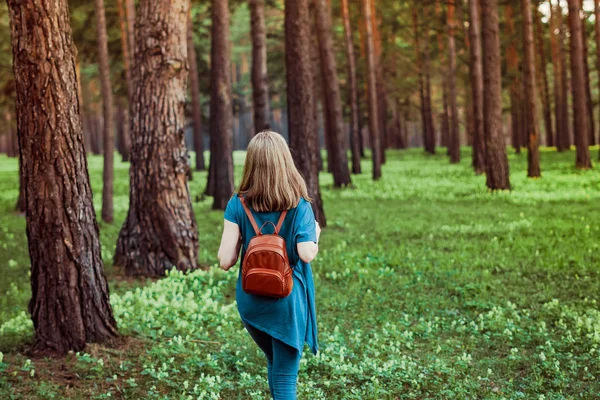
(448, 146)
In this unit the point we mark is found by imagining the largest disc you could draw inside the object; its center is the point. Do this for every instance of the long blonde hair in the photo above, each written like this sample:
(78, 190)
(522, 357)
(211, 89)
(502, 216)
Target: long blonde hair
(271, 181)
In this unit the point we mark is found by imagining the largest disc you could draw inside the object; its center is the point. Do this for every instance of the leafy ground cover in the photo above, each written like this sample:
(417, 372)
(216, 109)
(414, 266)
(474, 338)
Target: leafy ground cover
(428, 287)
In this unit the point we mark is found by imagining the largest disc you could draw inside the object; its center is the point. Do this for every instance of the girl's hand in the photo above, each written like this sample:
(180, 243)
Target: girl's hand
(318, 229)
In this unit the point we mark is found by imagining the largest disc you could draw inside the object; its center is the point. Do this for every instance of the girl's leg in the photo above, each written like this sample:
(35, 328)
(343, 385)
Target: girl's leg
(286, 364)
(264, 341)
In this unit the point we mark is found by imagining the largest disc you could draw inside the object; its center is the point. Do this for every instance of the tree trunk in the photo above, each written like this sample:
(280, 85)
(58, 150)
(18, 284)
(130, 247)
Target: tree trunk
(497, 170)
(260, 86)
(108, 134)
(512, 65)
(221, 112)
(125, 135)
(560, 79)
(454, 142)
(195, 91)
(430, 142)
(476, 73)
(337, 159)
(533, 129)
(445, 120)
(588, 90)
(317, 91)
(374, 119)
(353, 93)
(160, 231)
(380, 87)
(582, 160)
(70, 302)
(597, 31)
(543, 78)
(302, 132)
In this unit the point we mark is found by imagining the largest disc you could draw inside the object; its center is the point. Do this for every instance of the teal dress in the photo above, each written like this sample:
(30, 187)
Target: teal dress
(292, 319)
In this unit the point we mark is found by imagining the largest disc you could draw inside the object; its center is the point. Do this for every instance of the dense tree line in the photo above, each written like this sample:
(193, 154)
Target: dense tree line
(358, 75)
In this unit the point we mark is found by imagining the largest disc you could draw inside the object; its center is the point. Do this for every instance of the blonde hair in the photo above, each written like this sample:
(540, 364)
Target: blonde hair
(270, 181)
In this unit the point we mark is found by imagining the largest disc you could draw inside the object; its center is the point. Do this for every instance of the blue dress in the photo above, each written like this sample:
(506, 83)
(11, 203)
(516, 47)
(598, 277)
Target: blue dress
(292, 319)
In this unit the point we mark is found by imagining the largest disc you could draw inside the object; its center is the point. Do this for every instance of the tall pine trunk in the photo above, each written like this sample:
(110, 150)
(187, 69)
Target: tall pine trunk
(533, 129)
(107, 110)
(352, 91)
(160, 231)
(497, 171)
(336, 157)
(374, 116)
(195, 91)
(221, 112)
(476, 73)
(560, 78)
(515, 90)
(380, 87)
(125, 136)
(580, 122)
(588, 89)
(445, 120)
(597, 31)
(70, 301)
(543, 77)
(301, 123)
(452, 107)
(260, 86)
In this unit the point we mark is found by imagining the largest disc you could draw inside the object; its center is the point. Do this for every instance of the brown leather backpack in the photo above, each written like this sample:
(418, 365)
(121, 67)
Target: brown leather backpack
(266, 268)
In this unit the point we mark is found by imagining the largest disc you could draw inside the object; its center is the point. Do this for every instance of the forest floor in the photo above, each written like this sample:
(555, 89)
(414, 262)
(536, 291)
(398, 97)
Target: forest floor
(428, 286)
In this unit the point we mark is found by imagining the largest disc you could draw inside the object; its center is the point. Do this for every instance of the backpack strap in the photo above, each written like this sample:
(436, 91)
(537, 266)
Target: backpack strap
(250, 216)
(280, 222)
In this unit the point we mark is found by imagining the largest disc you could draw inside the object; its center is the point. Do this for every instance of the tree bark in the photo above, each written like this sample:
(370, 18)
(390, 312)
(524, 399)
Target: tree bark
(125, 136)
(445, 120)
(70, 302)
(108, 134)
(543, 77)
(337, 159)
(597, 31)
(317, 92)
(497, 169)
(533, 129)
(302, 132)
(160, 231)
(380, 87)
(588, 90)
(454, 143)
(516, 95)
(582, 160)
(476, 73)
(352, 89)
(260, 86)
(430, 142)
(221, 112)
(195, 91)
(374, 117)
(560, 79)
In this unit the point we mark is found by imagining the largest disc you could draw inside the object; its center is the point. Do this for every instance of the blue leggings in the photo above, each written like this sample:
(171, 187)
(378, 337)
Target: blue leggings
(283, 363)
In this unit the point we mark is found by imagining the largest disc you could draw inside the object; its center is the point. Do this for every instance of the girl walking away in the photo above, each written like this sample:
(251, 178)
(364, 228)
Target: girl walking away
(271, 219)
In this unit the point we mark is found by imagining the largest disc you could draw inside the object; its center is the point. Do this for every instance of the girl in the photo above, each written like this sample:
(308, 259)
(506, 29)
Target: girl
(280, 327)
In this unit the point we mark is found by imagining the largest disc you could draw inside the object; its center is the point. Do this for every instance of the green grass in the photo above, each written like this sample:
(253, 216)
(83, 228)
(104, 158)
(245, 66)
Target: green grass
(428, 287)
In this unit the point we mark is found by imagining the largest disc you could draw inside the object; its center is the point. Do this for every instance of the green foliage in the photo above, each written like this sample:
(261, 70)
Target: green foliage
(428, 286)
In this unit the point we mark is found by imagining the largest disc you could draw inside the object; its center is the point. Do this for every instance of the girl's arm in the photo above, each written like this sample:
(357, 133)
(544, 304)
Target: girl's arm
(307, 251)
(230, 245)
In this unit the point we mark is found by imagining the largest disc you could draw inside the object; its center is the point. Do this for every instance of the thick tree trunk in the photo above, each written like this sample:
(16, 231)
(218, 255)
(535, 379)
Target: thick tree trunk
(476, 73)
(543, 77)
(582, 160)
(160, 231)
(70, 302)
(317, 91)
(380, 87)
(565, 81)
(221, 112)
(497, 171)
(195, 91)
(597, 31)
(533, 129)
(588, 89)
(454, 142)
(108, 134)
(125, 135)
(352, 89)
(374, 119)
(445, 118)
(430, 142)
(302, 132)
(337, 159)
(260, 86)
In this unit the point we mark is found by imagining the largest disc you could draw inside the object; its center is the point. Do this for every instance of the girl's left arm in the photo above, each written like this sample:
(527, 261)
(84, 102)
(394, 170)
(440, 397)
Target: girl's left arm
(231, 242)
